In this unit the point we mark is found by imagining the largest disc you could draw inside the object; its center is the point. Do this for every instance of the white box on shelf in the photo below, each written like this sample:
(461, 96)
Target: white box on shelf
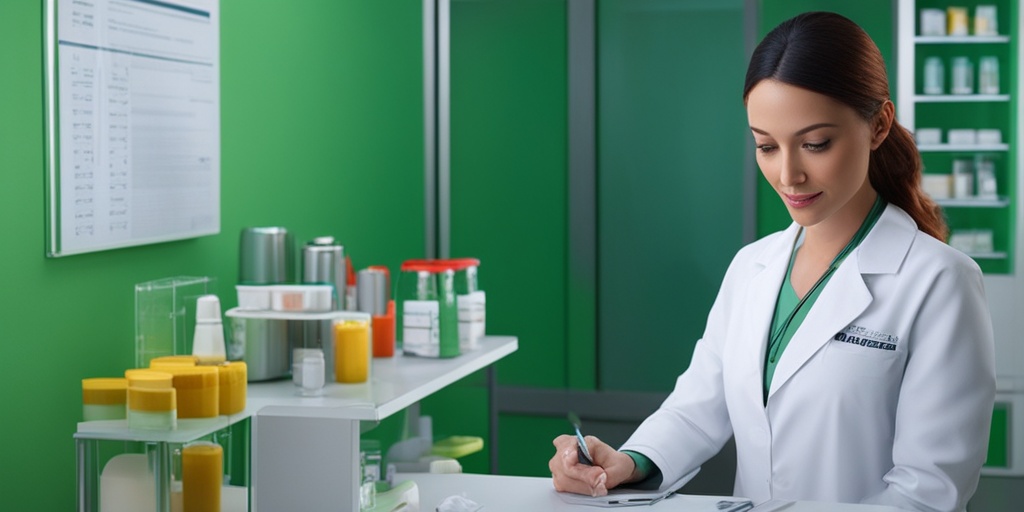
(253, 297)
(938, 186)
(301, 297)
(933, 22)
(962, 136)
(990, 136)
(928, 136)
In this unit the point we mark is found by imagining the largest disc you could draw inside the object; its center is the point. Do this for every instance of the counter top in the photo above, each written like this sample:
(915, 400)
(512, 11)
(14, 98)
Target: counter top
(518, 493)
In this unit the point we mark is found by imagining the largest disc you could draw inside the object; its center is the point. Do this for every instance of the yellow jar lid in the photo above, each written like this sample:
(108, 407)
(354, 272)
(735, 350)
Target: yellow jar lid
(157, 362)
(351, 325)
(104, 391)
(146, 378)
(232, 372)
(195, 377)
(202, 449)
(151, 400)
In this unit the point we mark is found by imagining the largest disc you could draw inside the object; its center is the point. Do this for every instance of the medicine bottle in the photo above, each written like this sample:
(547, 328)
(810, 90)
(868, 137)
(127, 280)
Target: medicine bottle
(427, 311)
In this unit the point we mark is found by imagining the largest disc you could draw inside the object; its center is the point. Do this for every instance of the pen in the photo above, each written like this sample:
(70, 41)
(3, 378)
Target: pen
(583, 454)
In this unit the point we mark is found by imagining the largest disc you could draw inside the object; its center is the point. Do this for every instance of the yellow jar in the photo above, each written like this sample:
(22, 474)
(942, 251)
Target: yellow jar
(104, 399)
(202, 471)
(233, 382)
(198, 390)
(152, 409)
(351, 351)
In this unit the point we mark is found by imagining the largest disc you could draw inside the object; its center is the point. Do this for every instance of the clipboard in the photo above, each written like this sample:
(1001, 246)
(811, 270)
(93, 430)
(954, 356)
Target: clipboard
(630, 496)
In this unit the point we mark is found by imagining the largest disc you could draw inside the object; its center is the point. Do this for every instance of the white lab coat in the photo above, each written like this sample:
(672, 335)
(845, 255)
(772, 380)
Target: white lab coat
(846, 421)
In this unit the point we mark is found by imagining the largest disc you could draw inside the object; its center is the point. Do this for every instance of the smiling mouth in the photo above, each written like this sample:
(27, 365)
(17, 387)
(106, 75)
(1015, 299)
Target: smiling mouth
(801, 200)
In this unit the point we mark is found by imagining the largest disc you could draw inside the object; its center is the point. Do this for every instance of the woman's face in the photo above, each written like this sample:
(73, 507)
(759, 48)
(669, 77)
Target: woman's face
(814, 151)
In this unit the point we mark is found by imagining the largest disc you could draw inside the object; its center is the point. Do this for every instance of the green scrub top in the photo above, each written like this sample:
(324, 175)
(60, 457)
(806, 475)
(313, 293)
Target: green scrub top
(790, 310)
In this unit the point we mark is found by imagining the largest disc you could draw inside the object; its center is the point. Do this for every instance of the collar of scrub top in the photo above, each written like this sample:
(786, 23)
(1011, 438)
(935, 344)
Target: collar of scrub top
(882, 252)
(862, 232)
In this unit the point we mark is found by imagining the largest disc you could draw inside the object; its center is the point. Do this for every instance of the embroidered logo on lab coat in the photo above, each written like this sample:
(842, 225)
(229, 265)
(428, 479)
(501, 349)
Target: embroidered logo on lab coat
(869, 338)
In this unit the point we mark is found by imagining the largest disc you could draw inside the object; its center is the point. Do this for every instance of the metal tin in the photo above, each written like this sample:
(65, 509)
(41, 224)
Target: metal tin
(323, 261)
(265, 256)
(372, 291)
(263, 345)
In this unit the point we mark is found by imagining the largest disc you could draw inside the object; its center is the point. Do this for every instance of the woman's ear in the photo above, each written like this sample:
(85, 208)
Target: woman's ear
(882, 124)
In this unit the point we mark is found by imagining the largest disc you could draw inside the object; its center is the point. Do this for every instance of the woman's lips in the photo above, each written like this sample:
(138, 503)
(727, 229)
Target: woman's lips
(801, 200)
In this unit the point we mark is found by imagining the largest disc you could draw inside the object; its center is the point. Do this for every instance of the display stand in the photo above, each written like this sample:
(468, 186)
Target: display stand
(305, 450)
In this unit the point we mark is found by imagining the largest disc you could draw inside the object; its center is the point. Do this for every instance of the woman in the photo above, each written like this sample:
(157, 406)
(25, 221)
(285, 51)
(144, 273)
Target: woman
(850, 355)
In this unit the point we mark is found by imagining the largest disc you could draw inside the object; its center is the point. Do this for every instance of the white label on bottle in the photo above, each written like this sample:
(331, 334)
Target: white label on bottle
(472, 314)
(421, 327)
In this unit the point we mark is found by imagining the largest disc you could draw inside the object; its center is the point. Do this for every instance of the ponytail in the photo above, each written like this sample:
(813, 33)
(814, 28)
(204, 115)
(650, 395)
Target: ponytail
(895, 173)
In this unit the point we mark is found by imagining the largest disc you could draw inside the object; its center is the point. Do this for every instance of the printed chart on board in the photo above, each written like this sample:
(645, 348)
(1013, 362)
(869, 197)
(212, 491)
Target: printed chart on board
(133, 122)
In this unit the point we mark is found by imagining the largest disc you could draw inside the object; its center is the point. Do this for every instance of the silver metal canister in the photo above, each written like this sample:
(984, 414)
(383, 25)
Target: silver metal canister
(263, 344)
(372, 291)
(265, 256)
(323, 261)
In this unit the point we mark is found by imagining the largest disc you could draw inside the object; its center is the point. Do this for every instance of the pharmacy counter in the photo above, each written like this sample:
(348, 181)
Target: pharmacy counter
(518, 493)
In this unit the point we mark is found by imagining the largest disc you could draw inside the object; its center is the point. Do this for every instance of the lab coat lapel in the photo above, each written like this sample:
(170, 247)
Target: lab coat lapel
(846, 295)
(842, 300)
(757, 309)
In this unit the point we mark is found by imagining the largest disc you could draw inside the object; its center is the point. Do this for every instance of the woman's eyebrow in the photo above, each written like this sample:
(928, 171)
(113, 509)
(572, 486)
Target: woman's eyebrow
(800, 131)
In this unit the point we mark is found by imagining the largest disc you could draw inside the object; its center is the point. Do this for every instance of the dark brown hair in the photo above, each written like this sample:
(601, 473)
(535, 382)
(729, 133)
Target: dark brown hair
(828, 54)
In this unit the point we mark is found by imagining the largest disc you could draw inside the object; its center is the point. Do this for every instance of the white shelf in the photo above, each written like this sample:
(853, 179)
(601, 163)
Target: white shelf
(961, 39)
(987, 255)
(978, 148)
(1001, 202)
(266, 314)
(395, 383)
(961, 98)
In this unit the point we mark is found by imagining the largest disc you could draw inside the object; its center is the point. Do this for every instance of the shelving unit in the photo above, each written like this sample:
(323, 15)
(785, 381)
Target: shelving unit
(966, 111)
(305, 449)
(1003, 215)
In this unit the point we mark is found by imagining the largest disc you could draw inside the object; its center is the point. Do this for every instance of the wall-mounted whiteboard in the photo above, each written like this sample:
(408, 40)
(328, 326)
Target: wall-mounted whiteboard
(133, 122)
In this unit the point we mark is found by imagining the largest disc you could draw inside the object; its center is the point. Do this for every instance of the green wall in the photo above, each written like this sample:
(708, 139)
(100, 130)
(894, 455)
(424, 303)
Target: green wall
(509, 203)
(671, 146)
(322, 132)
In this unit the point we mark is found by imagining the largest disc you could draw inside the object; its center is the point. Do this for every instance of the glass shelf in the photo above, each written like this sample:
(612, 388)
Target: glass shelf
(987, 255)
(961, 39)
(974, 148)
(188, 429)
(974, 202)
(961, 98)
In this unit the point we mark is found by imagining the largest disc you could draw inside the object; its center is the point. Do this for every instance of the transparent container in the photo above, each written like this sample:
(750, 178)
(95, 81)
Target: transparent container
(471, 302)
(165, 313)
(427, 313)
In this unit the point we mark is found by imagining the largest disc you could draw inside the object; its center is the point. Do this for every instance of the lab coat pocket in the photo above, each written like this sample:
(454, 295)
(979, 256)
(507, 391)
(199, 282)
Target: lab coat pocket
(857, 358)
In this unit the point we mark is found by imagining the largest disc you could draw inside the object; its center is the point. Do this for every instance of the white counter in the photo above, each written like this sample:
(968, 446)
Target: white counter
(520, 493)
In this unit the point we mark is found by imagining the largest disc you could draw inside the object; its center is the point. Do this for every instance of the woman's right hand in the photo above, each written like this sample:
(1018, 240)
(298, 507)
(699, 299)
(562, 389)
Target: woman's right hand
(611, 467)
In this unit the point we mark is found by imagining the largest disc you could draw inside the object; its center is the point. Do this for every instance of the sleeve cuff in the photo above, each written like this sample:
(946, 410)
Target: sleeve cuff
(649, 473)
